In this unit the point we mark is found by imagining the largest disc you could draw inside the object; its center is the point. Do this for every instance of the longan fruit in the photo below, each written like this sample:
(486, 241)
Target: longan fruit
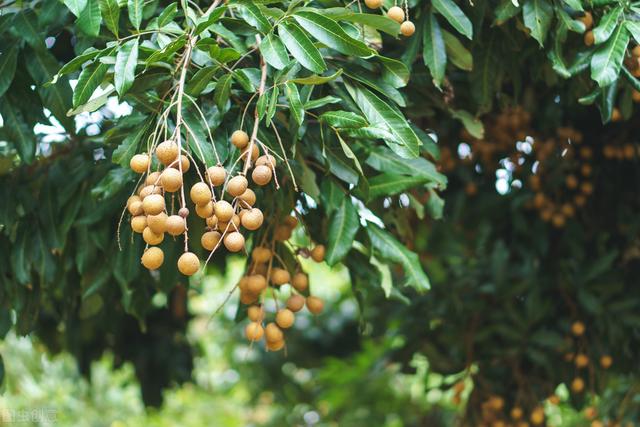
(273, 333)
(184, 161)
(212, 221)
(537, 416)
(138, 223)
(157, 223)
(237, 185)
(558, 220)
(223, 210)
(516, 413)
(134, 198)
(589, 38)
(586, 188)
(317, 253)
(152, 258)
(496, 403)
(616, 115)
(266, 160)
(240, 139)
(171, 180)
(256, 283)
(152, 178)
(577, 385)
(242, 283)
(261, 175)
(248, 298)
(255, 313)
(200, 193)
(261, 269)
(285, 318)
(275, 345)
(139, 163)
(151, 237)
(253, 219)
(254, 331)
(205, 211)
(300, 282)
(167, 152)
(554, 399)
(280, 276)
(175, 225)
(606, 361)
(636, 51)
(234, 241)
(153, 204)
(373, 4)
(210, 239)
(282, 233)
(248, 198)
(295, 303)
(188, 264)
(407, 28)
(217, 175)
(314, 304)
(577, 328)
(149, 190)
(581, 360)
(255, 152)
(396, 13)
(291, 221)
(260, 254)
(135, 207)
(587, 20)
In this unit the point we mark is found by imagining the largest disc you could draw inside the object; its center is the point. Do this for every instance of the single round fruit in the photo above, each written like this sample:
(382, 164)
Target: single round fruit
(396, 13)
(280, 276)
(234, 241)
(261, 175)
(516, 413)
(587, 20)
(291, 222)
(275, 345)
(373, 4)
(223, 210)
(135, 207)
(282, 233)
(300, 282)
(152, 179)
(188, 264)
(152, 258)
(273, 333)
(589, 39)
(285, 318)
(581, 360)
(255, 313)
(184, 162)
(157, 223)
(139, 163)
(255, 152)
(616, 115)
(577, 328)
(206, 210)
(253, 219)
(248, 198)
(132, 199)
(237, 185)
(183, 212)
(295, 303)
(317, 253)
(171, 180)
(537, 416)
(240, 139)
(242, 283)
(217, 175)
(153, 204)
(314, 304)
(248, 298)
(254, 331)
(151, 237)
(256, 283)
(167, 152)
(577, 385)
(260, 254)
(138, 223)
(266, 160)
(200, 193)
(210, 239)
(175, 225)
(606, 361)
(407, 28)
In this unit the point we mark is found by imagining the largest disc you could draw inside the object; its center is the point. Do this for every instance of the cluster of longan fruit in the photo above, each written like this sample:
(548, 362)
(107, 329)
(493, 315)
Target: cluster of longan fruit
(407, 28)
(225, 215)
(266, 271)
(620, 152)
(494, 414)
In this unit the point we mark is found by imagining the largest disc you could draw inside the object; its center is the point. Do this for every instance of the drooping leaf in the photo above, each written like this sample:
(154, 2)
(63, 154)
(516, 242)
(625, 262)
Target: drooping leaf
(537, 15)
(384, 160)
(331, 34)
(301, 47)
(607, 60)
(295, 105)
(76, 6)
(223, 90)
(17, 130)
(201, 79)
(252, 14)
(317, 80)
(89, 80)
(389, 184)
(456, 52)
(434, 53)
(343, 226)
(8, 62)
(110, 14)
(607, 25)
(274, 52)
(455, 16)
(125, 68)
(343, 119)
(134, 8)
(90, 19)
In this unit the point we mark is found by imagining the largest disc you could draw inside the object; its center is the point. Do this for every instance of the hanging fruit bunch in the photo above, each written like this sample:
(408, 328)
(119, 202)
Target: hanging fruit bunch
(400, 14)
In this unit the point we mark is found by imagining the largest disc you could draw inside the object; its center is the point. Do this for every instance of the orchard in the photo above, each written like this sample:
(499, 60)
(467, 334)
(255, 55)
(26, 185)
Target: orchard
(470, 169)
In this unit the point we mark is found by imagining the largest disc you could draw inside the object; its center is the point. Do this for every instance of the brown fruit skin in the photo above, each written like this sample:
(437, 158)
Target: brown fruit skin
(212, 221)
(589, 39)
(157, 223)
(200, 193)
(606, 361)
(248, 298)
(139, 163)
(253, 219)
(577, 385)
(581, 361)
(373, 4)
(280, 276)
(291, 222)
(210, 239)
(152, 178)
(234, 241)
(152, 258)
(273, 333)
(237, 185)
(184, 161)
(256, 283)
(217, 175)
(223, 210)
(254, 331)
(396, 13)
(152, 238)
(255, 152)
(407, 28)
(153, 204)
(300, 282)
(317, 253)
(248, 198)
(261, 175)
(516, 413)
(188, 264)
(295, 303)
(167, 152)
(138, 223)
(285, 318)
(275, 345)
(314, 304)
(240, 139)
(282, 233)
(205, 211)
(175, 225)
(255, 313)
(266, 160)
(171, 180)
(587, 20)
(260, 254)
(135, 207)
(150, 189)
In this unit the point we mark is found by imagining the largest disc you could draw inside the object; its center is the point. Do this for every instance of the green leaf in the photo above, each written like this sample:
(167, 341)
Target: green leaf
(77, 62)
(90, 78)
(93, 104)
(606, 61)
(273, 100)
(76, 6)
(25, 27)
(135, 12)
(343, 226)
(274, 52)
(349, 153)
(90, 19)
(125, 69)
(343, 119)
(207, 21)
(111, 15)
(433, 50)
(574, 4)
(395, 73)
(201, 79)
(301, 47)
(607, 25)
(388, 184)
(17, 130)
(167, 15)
(391, 250)
(167, 51)
(378, 22)
(295, 105)
(321, 102)
(537, 16)
(8, 62)
(455, 16)
(384, 160)
(485, 75)
(327, 31)
(223, 90)
(317, 80)
(129, 147)
(252, 14)
(634, 29)
(472, 124)
(456, 52)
